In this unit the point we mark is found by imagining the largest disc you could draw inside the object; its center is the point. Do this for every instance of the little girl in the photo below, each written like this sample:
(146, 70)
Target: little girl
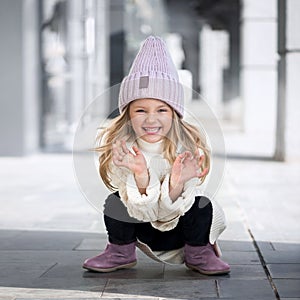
(156, 163)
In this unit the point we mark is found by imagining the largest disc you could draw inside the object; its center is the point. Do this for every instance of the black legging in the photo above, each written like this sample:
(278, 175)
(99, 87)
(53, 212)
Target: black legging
(193, 228)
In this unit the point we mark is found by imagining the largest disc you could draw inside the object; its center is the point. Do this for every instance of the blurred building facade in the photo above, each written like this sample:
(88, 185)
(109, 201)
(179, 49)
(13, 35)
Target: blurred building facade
(242, 56)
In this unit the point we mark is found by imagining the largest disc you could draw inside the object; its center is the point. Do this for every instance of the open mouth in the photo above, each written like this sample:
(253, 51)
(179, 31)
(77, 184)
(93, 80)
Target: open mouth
(151, 130)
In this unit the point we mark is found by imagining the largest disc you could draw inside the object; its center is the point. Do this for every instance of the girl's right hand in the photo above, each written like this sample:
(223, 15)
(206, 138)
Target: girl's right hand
(136, 163)
(122, 157)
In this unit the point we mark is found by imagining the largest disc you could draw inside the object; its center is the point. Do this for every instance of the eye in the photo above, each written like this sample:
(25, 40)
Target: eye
(163, 110)
(140, 111)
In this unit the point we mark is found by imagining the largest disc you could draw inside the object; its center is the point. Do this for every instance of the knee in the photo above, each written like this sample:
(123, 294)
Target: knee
(113, 206)
(202, 202)
(110, 202)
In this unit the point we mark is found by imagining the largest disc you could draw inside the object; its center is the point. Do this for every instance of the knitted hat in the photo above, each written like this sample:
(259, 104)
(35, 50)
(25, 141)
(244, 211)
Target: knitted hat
(153, 75)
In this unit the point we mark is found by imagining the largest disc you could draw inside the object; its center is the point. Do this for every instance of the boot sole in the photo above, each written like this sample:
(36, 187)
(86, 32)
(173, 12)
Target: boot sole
(126, 266)
(204, 272)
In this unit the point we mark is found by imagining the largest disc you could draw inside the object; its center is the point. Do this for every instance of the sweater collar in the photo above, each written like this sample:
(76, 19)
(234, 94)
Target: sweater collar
(151, 147)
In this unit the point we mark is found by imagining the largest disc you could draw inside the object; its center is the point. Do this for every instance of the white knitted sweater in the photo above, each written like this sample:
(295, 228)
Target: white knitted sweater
(156, 206)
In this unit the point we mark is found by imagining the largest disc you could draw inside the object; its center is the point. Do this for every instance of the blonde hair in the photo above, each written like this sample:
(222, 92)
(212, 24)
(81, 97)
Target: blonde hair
(181, 133)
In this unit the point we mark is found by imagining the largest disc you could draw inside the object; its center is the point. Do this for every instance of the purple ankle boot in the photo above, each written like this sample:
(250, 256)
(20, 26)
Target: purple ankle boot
(113, 258)
(204, 260)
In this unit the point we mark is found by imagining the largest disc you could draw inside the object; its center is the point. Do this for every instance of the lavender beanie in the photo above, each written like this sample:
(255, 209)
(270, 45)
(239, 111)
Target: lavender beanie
(153, 75)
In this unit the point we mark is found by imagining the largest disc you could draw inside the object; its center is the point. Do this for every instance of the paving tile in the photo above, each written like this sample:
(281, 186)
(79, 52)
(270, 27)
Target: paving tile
(237, 272)
(7, 234)
(129, 274)
(284, 270)
(46, 269)
(246, 289)
(240, 258)
(247, 272)
(142, 270)
(286, 247)
(142, 257)
(41, 257)
(92, 244)
(29, 275)
(79, 283)
(60, 270)
(265, 246)
(41, 240)
(19, 272)
(175, 272)
(288, 288)
(236, 246)
(178, 289)
(281, 257)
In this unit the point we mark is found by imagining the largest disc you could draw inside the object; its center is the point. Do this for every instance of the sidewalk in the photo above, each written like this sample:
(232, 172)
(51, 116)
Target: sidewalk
(47, 229)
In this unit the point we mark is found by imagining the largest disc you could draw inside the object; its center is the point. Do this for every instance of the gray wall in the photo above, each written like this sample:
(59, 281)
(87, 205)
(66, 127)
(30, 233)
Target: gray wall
(293, 80)
(19, 84)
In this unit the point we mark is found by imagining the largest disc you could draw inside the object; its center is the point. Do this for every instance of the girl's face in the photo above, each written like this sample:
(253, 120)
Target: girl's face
(150, 119)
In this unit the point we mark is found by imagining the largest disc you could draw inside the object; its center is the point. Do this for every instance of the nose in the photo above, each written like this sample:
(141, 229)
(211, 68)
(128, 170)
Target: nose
(151, 118)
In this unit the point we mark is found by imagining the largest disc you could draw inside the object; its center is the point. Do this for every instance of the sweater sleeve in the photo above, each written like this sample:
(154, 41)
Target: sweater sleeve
(170, 211)
(141, 207)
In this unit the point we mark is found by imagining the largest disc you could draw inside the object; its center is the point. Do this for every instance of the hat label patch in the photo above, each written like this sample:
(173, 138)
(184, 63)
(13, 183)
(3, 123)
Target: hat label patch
(144, 82)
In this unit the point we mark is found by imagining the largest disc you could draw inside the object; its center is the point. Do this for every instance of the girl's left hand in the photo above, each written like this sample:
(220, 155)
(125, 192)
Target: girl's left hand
(122, 157)
(187, 166)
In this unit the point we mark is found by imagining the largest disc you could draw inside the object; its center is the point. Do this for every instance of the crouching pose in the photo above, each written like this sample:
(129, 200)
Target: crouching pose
(157, 164)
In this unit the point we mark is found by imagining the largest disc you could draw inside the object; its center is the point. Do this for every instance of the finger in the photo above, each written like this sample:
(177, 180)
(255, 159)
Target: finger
(116, 146)
(117, 143)
(203, 173)
(201, 160)
(115, 149)
(136, 150)
(180, 158)
(124, 147)
(181, 155)
(115, 152)
(116, 160)
(197, 154)
(120, 148)
(117, 163)
(189, 155)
